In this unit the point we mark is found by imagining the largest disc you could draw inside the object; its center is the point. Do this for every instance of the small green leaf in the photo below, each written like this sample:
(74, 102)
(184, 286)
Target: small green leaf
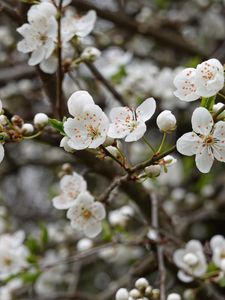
(33, 245)
(117, 78)
(58, 125)
(212, 267)
(222, 283)
(44, 235)
(208, 102)
(30, 277)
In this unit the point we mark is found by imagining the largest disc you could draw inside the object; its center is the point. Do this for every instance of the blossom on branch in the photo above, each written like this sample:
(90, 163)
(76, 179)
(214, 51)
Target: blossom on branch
(206, 141)
(130, 124)
(88, 128)
(71, 187)
(86, 215)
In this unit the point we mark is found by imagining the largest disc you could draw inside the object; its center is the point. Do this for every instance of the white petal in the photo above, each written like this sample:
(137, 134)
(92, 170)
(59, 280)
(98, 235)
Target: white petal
(77, 101)
(204, 159)
(219, 130)
(137, 133)
(37, 56)
(194, 246)
(2, 153)
(146, 109)
(99, 211)
(62, 202)
(202, 121)
(92, 229)
(217, 241)
(49, 65)
(188, 143)
(121, 118)
(184, 277)
(219, 151)
(85, 24)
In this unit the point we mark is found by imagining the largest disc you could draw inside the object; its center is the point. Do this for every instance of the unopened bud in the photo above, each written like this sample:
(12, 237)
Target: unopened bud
(153, 171)
(40, 120)
(17, 121)
(27, 129)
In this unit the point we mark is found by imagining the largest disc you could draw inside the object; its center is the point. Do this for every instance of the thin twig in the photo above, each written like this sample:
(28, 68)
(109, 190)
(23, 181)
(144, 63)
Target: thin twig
(105, 82)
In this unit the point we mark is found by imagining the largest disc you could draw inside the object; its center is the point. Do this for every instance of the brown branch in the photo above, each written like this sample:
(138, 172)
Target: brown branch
(105, 82)
(10, 12)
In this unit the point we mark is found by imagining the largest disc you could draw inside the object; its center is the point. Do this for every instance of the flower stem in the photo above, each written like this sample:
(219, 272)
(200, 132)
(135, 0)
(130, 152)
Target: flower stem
(148, 144)
(162, 143)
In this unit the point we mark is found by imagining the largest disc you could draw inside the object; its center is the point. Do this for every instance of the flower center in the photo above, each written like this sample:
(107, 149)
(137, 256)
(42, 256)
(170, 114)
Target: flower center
(93, 132)
(7, 261)
(87, 214)
(43, 38)
(209, 140)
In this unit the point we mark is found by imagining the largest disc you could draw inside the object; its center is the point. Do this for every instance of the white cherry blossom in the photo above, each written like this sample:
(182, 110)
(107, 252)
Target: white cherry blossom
(209, 77)
(217, 244)
(40, 33)
(191, 261)
(86, 215)
(13, 254)
(206, 141)
(185, 82)
(88, 128)
(71, 187)
(130, 124)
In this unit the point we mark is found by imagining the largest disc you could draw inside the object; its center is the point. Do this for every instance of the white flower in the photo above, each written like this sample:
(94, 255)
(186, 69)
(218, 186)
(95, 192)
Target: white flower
(90, 53)
(88, 128)
(217, 244)
(174, 296)
(120, 216)
(130, 124)
(86, 215)
(186, 86)
(75, 26)
(71, 187)
(166, 121)
(168, 161)
(191, 260)
(13, 254)
(122, 294)
(40, 120)
(205, 81)
(40, 33)
(207, 141)
(209, 77)
(2, 153)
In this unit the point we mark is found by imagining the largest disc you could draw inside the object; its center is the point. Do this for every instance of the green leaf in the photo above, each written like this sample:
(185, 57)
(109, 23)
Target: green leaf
(117, 78)
(106, 232)
(44, 234)
(33, 245)
(212, 267)
(58, 125)
(30, 277)
(222, 283)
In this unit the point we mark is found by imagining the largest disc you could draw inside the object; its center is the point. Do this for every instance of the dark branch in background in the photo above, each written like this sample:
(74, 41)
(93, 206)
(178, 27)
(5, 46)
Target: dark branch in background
(10, 12)
(105, 82)
(123, 21)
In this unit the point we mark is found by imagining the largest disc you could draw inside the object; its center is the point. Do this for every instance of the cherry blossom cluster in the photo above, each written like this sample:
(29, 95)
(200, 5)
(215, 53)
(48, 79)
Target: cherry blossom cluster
(143, 291)
(192, 260)
(16, 130)
(41, 38)
(84, 212)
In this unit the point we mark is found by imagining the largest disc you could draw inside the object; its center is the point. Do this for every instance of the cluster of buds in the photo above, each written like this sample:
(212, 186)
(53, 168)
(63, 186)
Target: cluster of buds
(142, 291)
